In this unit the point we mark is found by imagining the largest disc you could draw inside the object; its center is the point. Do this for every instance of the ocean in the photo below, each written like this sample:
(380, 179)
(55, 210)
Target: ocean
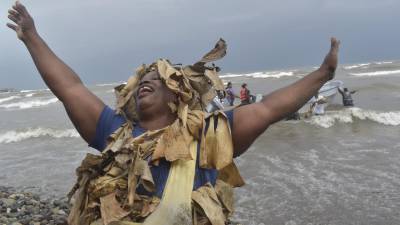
(339, 168)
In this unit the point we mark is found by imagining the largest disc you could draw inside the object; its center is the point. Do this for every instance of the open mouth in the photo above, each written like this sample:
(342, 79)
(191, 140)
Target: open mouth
(144, 90)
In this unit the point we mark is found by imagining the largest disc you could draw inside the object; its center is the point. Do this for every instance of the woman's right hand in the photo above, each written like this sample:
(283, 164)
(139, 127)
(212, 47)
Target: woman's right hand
(24, 25)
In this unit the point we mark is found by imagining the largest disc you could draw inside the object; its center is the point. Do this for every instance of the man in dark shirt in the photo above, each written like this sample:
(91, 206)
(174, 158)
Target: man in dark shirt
(346, 96)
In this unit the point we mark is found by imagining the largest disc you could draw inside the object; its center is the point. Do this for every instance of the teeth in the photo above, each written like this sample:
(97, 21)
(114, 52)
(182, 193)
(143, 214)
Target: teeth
(145, 88)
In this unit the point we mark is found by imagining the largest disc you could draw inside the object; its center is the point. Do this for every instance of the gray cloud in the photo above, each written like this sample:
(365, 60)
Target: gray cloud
(105, 40)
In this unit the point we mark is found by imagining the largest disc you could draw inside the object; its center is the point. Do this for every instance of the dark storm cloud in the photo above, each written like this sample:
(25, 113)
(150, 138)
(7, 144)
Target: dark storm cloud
(105, 40)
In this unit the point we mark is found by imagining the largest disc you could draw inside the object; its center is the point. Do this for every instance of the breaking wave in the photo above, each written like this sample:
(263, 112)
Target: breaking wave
(16, 136)
(272, 74)
(348, 116)
(356, 66)
(231, 75)
(26, 91)
(9, 98)
(111, 84)
(38, 90)
(376, 73)
(383, 62)
(29, 104)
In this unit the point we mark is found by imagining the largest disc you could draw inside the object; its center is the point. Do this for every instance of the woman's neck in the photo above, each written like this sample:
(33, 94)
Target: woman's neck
(156, 122)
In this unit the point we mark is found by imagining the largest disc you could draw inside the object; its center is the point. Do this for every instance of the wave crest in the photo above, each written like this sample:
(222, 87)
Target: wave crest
(16, 136)
(348, 115)
(29, 104)
(383, 62)
(356, 66)
(272, 74)
(376, 73)
(8, 98)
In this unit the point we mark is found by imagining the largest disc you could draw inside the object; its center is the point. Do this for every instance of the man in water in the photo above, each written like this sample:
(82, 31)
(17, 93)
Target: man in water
(142, 139)
(317, 105)
(230, 94)
(346, 97)
(245, 96)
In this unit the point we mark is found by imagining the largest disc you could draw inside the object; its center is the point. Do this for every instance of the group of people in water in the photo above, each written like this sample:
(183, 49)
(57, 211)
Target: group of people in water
(317, 102)
(245, 96)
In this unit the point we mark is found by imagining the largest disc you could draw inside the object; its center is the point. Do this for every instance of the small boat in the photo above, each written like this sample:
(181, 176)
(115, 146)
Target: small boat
(330, 89)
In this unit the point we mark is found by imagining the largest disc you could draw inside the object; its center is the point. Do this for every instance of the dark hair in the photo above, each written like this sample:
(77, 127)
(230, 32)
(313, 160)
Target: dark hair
(244, 85)
(229, 83)
(345, 89)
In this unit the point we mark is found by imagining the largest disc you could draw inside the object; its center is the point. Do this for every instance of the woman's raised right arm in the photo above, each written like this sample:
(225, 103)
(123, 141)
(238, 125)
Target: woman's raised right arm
(82, 106)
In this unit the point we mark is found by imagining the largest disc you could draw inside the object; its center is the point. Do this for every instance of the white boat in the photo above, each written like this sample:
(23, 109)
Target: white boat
(330, 89)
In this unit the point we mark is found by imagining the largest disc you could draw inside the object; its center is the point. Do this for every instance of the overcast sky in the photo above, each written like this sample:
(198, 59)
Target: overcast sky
(105, 40)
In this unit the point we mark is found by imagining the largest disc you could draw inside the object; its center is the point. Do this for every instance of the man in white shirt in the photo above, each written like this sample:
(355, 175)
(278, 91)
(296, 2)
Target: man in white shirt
(318, 105)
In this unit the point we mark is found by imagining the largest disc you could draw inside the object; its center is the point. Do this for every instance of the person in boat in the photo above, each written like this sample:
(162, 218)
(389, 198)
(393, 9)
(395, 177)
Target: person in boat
(164, 160)
(230, 94)
(346, 96)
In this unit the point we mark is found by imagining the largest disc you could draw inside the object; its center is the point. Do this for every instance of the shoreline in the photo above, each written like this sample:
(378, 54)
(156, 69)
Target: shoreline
(19, 207)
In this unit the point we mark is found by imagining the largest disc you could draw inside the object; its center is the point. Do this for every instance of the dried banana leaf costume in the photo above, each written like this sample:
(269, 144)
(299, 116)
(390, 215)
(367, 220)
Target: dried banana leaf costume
(106, 190)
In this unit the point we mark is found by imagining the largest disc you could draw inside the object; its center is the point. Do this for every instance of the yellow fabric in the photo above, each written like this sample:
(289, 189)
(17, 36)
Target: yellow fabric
(175, 206)
(195, 85)
(216, 150)
(124, 223)
(207, 199)
(128, 168)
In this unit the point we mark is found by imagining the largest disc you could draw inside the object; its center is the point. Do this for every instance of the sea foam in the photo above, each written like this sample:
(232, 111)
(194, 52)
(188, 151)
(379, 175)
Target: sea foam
(29, 104)
(383, 62)
(111, 84)
(16, 136)
(356, 66)
(37, 90)
(348, 116)
(272, 74)
(376, 73)
(9, 98)
(26, 91)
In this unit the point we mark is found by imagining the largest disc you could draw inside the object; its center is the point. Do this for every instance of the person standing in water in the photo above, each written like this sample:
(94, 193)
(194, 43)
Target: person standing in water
(245, 96)
(230, 94)
(318, 107)
(346, 97)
